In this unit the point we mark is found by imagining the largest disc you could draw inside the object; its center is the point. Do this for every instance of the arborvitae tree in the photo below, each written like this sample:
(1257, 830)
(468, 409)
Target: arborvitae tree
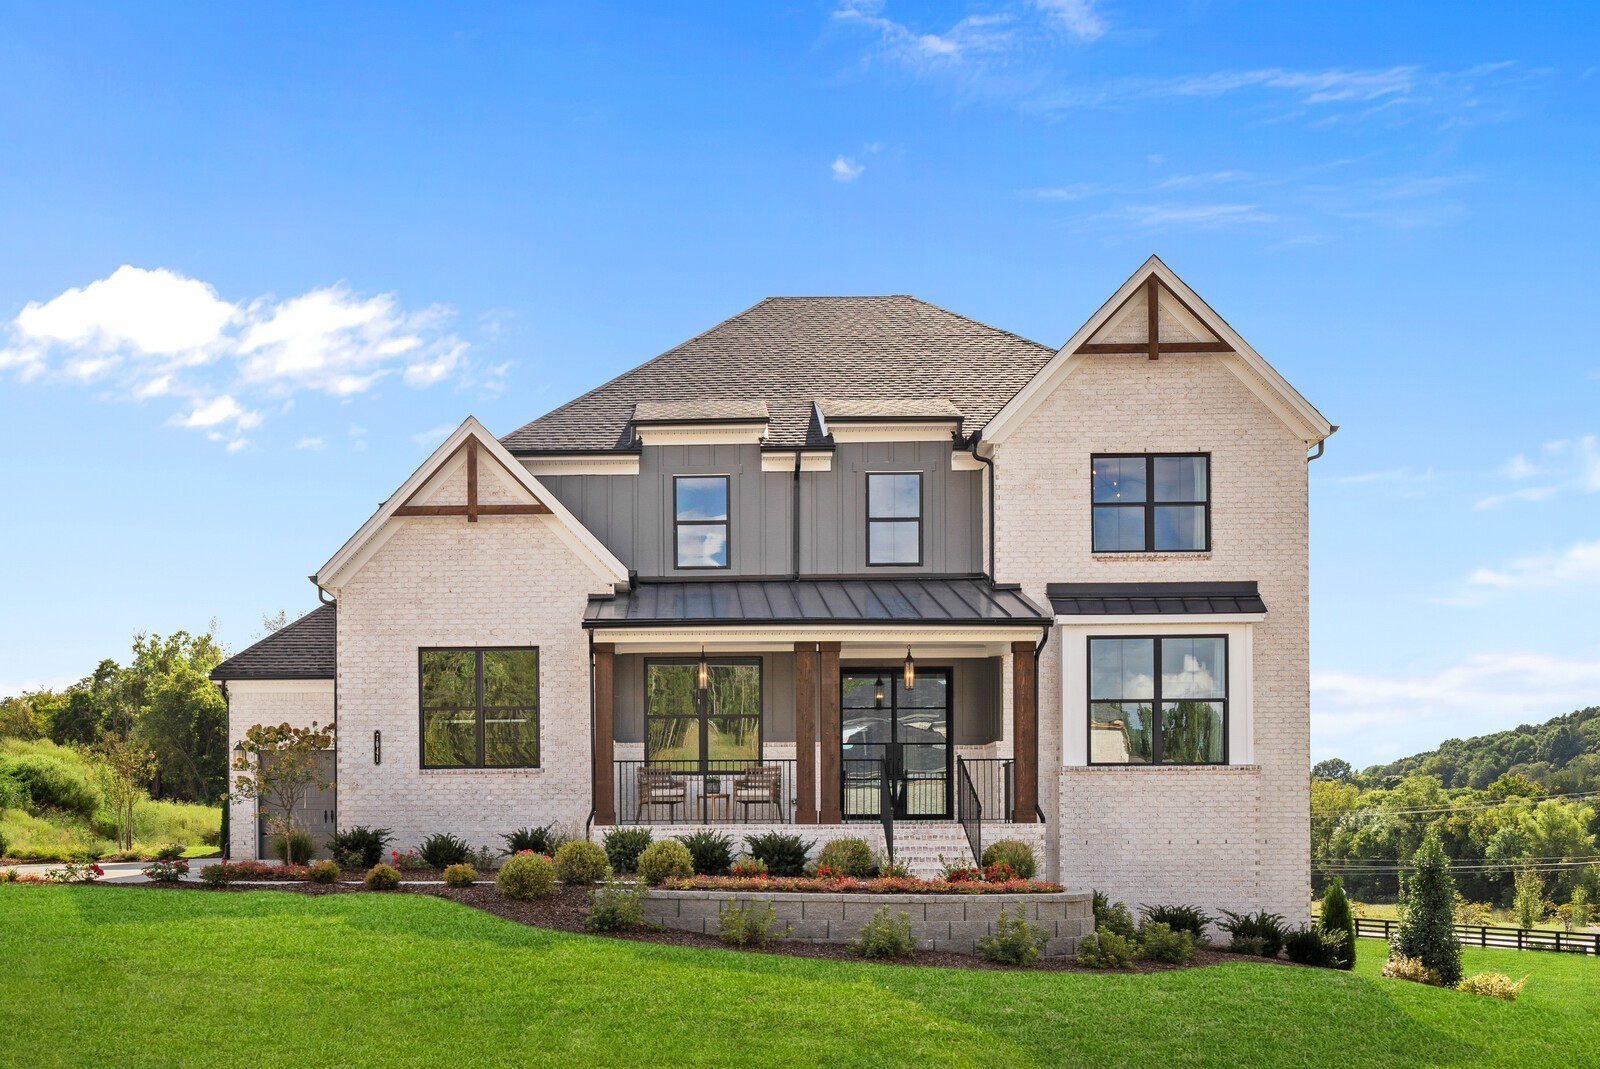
(1336, 917)
(1427, 928)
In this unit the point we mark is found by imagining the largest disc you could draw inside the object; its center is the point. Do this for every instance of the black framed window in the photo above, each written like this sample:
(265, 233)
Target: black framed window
(1158, 701)
(700, 520)
(715, 729)
(1154, 502)
(894, 517)
(479, 707)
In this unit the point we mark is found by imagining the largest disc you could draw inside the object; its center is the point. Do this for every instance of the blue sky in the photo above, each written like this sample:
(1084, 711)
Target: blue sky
(254, 262)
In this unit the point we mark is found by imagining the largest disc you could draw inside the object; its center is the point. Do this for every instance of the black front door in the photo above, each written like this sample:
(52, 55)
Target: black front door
(900, 732)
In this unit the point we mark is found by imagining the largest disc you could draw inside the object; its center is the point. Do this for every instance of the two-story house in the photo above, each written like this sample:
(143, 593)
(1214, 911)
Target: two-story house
(860, 565)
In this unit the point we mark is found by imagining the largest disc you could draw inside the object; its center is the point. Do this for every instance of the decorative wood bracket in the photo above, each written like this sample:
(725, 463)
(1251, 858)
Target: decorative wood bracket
(471, 510)
(1154, 346)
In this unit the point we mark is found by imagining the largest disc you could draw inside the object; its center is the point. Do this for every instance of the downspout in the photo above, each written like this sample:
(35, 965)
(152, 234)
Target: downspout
(588, 823)
(325, 599)
(794, 508)
(1044, 640)
(989, 463)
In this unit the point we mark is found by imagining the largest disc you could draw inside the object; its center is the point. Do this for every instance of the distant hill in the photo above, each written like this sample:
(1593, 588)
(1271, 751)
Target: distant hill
(1562, 753)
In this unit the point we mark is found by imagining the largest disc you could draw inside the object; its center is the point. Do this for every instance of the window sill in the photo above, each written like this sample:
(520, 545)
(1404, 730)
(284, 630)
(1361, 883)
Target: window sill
(480, 771)
(1165, 770)
(1156, 555)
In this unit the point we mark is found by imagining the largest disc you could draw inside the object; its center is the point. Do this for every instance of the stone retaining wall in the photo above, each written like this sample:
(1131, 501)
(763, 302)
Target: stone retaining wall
(940, 922)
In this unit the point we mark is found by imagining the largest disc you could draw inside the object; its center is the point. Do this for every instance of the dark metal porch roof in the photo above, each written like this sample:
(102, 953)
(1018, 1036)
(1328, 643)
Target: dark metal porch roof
(1153, 599)
(936, 600)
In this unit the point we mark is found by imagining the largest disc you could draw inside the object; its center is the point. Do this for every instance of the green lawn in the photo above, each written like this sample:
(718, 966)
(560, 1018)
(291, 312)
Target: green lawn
(124, 977)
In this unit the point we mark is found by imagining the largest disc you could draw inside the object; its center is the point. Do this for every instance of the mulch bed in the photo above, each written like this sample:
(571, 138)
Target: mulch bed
(565, 909)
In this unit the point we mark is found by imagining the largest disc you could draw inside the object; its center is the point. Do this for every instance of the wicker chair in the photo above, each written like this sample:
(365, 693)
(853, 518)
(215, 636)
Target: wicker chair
(658, 786)
(759, 785)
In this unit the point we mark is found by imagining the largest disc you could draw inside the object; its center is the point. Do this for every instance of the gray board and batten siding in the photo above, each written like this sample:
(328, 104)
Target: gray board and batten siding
(633, 514)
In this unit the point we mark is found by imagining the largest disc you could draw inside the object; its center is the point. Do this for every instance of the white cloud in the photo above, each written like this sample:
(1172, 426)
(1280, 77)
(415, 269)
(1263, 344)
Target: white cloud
(1564, 465)
(846, 169)
(433, 435)
(973, 36)
(150, 334)
(1077, 17)
(1370, 717)
(310, 442)
(1578, 564)
(1195, 215)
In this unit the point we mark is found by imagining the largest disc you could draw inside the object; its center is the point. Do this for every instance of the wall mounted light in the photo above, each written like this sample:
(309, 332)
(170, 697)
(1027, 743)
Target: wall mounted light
(702, 675)
(911, 670)
(877, 694)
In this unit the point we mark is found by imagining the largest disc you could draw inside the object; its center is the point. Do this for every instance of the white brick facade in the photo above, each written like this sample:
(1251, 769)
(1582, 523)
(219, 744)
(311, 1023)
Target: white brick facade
(250, 702)
(1235, 837)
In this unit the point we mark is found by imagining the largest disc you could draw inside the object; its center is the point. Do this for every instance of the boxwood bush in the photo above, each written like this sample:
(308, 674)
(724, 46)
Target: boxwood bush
(848, 856)
(382, 878)
(665, 860)
(580, 862)
(462, 875)
(525, 877)
(1013, 852)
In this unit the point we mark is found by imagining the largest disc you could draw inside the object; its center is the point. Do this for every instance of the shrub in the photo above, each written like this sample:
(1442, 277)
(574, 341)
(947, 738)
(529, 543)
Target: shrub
(1189, 919)
(460, 875)
(615, 909)
(749, 926)
(323, 872)
(1400, 967)
(546, 840)
(1112, 916)
(14, 793)
(665, 860)
(1494, 984)
(1013, 852)
(483, 858)
(170, 852)
(885, 936)
(1427, 925)
(3, 844)
(890, 869)
(1160, 942)
(381, 878)
(442, 850)
(784, 854)
(623, 847)
(525, 877)
(1253, 945)
(75, 872)
(293, 846)
(1473, 913)
(360, 847)
(748, 867)
(53, 781)
(848, 857)
(1269, 928)
(1015, 941)
(1318, 946)
(1337, 917)
(1527, 900)
(580, 862)
(1105, 949)
(166, 870)
(410, 861)
(712, 853)
(218, 875)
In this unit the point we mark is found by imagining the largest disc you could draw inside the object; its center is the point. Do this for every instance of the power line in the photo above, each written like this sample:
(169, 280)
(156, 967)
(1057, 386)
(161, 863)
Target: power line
(1470, 808)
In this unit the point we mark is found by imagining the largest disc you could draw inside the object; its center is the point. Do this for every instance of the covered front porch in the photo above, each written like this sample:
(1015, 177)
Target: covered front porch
(816, 702)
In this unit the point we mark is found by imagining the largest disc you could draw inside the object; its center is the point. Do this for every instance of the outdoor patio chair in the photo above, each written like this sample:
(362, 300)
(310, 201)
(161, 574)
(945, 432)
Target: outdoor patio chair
(759, 785)
(658, 786)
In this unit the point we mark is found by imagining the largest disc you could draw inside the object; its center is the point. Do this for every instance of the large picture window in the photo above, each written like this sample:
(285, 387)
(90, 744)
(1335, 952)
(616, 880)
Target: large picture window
(715, 729)
(1152, 503)
(894, 518)
(480, 708)
(700, 520)
(1158, 701)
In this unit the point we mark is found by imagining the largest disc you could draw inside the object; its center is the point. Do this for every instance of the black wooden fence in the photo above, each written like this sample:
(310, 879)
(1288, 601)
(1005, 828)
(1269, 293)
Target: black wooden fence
(1482, 935)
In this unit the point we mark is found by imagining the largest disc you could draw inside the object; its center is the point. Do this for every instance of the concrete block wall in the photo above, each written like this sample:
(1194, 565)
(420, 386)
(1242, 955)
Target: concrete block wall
(1235, 837)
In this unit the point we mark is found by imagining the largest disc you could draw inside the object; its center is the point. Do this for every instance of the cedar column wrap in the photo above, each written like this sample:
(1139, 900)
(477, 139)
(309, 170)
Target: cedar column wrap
(605, 801)
(831, 802)
(1025, 728)
(805, 732)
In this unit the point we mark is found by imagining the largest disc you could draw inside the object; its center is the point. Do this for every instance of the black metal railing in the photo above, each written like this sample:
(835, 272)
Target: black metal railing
(1485, 935)
(741, 791)
(865, 788)
(992, 779)
(969, 810)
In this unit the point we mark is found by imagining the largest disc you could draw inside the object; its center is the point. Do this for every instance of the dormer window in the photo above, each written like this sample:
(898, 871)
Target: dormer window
(700, 520)
(1152, 503)
(894, 518)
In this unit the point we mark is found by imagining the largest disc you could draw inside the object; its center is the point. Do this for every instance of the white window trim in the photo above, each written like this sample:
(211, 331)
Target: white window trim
(1074, 633)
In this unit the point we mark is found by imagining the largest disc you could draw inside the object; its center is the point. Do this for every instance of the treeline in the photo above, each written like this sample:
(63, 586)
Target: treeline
(1522, 803)
(162, 699)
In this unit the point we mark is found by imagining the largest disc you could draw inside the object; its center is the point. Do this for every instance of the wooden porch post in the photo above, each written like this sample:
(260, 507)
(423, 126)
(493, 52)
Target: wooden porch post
(805, 732)
(832, 736)
(1025, 733)
(605, 802)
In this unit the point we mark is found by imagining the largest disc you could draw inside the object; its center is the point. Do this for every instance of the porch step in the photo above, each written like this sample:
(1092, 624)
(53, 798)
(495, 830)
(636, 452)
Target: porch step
(925, 846)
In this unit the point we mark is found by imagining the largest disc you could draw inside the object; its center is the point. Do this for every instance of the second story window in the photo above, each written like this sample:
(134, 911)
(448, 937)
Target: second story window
(1157, 503)
(700, 520)
(894, 518)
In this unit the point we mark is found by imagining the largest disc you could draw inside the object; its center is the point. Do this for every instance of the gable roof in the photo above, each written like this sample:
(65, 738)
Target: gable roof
(301, 650)
(1192, 317)
(791, 351)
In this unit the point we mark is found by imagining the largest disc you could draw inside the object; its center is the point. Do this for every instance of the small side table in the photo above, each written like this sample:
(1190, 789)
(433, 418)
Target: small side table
(713, 799)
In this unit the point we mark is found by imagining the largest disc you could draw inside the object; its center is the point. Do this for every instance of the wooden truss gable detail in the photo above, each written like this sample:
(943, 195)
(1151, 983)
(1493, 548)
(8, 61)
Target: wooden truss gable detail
(1153, 346)
(472, 509)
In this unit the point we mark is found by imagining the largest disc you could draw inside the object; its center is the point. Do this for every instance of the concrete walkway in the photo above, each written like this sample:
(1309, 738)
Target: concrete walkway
(119, 871)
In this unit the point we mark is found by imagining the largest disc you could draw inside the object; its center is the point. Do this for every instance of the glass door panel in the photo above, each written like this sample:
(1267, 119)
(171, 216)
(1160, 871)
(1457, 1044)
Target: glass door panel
(905, 733)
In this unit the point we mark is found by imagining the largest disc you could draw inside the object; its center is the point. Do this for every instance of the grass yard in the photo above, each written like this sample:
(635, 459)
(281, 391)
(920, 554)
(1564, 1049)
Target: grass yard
(133, 977)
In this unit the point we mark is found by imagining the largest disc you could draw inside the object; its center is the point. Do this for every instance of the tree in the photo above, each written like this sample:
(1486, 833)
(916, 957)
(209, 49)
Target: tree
(1336, 917)
(1334, 768)
(20, 718)
(123, 768)
(179, 712)
(1427, 924)
(1528, 902)
(279, 767)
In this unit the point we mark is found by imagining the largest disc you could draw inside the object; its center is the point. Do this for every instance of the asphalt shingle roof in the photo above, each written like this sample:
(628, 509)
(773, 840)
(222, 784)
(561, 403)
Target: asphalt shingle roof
(301, 650)
(1138, 599)
(868, 408)
(791, 351)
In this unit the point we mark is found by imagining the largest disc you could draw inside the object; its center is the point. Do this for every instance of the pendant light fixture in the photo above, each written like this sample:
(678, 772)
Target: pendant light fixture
(877, 695)
(911, 670)
(702, 672)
